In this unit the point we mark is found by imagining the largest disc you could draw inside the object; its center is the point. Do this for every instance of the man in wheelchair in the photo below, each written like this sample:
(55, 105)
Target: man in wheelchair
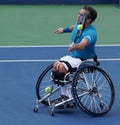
(83, 49)
(90, 88)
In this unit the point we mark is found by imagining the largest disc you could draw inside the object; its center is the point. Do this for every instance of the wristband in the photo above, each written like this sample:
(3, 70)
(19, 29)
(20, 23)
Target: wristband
(66, 30)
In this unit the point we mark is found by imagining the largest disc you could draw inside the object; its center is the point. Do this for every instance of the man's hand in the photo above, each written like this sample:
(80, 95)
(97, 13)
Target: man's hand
(71, 47)
(59, 31)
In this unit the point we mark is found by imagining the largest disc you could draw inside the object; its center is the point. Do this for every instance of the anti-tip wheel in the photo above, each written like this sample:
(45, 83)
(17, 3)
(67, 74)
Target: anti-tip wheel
(35, 109)
(52, 113)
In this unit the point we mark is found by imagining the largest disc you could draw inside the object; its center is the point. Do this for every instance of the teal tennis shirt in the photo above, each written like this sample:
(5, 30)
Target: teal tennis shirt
(88, 33)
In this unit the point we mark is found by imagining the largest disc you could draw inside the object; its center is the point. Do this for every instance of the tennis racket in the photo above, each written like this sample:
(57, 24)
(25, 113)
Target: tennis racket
(80, 28)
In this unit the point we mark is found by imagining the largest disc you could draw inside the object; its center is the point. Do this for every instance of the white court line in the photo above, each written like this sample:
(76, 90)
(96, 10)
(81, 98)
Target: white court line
(106, 45)
(45, 60)
(41, 60)
(26, 61)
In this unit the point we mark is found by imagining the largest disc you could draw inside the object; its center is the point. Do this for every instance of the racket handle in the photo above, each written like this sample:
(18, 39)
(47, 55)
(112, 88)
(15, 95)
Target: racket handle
(72, 44)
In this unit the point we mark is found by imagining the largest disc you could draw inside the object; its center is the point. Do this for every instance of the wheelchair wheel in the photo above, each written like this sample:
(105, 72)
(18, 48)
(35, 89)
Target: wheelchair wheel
(43, 82)
(93, 90)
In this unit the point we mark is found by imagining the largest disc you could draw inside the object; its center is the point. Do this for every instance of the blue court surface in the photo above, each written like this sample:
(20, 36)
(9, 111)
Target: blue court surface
(20, 68)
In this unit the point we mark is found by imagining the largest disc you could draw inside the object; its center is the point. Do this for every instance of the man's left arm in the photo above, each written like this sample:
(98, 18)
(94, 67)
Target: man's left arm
(84, 43)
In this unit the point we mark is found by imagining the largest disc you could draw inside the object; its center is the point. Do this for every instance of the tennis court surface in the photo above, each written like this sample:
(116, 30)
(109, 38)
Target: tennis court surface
(19, 71)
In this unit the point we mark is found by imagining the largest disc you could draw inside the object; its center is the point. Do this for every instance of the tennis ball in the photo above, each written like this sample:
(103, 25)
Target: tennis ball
(48, 89)
(80, 27)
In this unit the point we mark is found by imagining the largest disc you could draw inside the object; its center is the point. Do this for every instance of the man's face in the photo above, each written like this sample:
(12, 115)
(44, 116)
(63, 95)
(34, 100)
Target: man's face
(80, 14)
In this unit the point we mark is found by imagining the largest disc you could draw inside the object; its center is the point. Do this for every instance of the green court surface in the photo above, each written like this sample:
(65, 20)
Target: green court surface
(28, 25)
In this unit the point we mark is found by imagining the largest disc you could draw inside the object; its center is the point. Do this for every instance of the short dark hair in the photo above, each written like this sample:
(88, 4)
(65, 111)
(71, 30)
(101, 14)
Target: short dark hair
(92, 12)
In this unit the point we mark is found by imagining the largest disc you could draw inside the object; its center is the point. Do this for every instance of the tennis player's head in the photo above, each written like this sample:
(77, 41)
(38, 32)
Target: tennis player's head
(92, 13)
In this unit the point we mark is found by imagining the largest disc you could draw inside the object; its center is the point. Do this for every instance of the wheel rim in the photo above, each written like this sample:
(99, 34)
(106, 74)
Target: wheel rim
(94, 94)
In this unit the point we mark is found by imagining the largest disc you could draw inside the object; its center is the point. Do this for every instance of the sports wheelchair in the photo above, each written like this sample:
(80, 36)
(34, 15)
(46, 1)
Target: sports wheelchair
(92, 90)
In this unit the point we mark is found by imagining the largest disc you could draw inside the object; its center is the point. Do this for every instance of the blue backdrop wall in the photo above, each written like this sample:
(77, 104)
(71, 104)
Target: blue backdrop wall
(59, 1)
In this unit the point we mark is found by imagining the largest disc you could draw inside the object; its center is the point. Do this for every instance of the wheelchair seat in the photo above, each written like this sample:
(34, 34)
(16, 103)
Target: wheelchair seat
(62, 78)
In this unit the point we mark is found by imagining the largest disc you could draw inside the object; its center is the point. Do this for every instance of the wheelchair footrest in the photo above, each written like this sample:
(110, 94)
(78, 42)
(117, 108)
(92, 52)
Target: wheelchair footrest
(63, 102)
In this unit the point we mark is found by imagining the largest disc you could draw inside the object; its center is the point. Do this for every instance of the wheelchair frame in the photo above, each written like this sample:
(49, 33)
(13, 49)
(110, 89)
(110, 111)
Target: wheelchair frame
(92, 90)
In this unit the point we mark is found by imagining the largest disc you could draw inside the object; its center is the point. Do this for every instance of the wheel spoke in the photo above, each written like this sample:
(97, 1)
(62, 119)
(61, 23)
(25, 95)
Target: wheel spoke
(98, 88)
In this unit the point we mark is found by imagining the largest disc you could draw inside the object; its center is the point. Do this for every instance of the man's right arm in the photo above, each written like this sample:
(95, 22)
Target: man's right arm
(64, 30)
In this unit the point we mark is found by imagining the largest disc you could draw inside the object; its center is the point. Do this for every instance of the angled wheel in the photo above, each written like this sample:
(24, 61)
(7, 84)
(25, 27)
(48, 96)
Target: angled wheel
(93, 90)
(44, 81)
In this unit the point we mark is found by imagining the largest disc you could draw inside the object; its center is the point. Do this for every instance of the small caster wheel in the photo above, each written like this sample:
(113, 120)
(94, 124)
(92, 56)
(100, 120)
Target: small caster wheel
(52, 113)
(35, 109)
